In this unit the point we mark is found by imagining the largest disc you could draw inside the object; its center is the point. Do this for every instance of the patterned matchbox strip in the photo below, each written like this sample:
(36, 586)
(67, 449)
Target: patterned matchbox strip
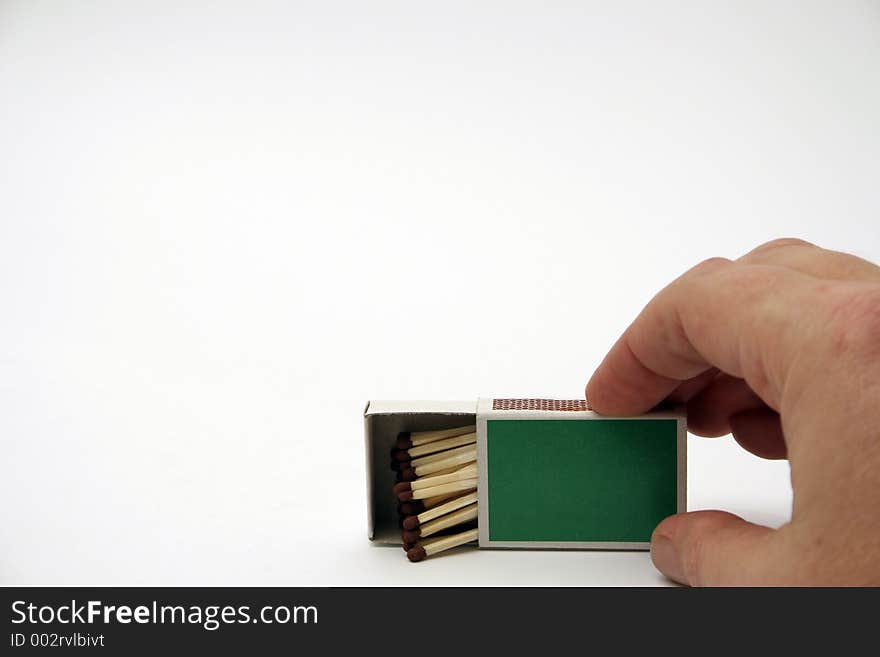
(540, 405)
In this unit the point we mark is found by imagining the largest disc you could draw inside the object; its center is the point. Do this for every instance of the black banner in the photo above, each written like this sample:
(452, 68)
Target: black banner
(154, 620)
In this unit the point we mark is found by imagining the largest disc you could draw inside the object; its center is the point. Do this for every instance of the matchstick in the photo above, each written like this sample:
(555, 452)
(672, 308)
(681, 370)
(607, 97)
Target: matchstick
(415, 520)
(440, 445)
(441, 534)
(424, 460)
(465, 472)
(469, 455)
(451, 487)
(428, 549)
(431, 502)
(440, 456)
(426, 483)
(407, 439)
(415, 507)
(444, 522)
(410, 474)
(436, 446)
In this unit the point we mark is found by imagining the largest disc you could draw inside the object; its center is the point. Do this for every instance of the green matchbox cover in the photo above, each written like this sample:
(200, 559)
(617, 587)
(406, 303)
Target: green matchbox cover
(559, 481)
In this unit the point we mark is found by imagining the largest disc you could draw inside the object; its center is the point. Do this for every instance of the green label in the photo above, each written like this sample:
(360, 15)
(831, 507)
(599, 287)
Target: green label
(580, 480)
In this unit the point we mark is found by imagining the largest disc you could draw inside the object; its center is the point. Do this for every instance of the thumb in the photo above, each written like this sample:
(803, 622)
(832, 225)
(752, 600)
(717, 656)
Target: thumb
(712, 548)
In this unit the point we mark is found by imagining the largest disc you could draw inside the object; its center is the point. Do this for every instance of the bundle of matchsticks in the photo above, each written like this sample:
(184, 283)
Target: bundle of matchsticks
(436, 489)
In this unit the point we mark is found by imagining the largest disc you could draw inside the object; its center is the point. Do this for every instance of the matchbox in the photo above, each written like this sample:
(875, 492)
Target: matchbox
(541, 473)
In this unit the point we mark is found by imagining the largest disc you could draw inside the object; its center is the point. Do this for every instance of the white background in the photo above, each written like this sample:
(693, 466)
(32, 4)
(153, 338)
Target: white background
(225, 226)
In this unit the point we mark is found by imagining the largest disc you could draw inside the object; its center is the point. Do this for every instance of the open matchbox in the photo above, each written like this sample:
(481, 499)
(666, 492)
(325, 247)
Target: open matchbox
(551, 473)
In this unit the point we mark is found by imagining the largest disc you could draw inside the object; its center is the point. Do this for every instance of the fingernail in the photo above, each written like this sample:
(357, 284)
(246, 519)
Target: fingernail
(665, 558)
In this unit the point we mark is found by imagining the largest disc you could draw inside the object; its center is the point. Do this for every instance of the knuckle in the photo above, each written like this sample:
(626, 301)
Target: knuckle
(781, 242)
(710, 265)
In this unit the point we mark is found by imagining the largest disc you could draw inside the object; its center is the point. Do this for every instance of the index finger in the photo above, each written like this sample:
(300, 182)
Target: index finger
(747, 320)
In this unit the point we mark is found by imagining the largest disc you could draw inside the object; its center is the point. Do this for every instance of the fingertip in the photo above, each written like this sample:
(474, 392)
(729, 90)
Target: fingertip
(675, 527)
(664, 554)
(601, 398)
(624, 385)
(665, 559)
(612, 392)
(608, 391)
(712, 548)
(592, 395)
(668, 528)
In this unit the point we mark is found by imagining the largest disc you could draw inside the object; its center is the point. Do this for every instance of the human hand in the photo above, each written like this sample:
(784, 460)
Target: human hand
(781, 348)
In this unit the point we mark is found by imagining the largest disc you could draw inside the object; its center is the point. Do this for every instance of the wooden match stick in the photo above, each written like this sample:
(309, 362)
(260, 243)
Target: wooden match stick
(407, 439)
(467, 472)
(431, 502)
(440, 456)
(436, 446)
(415, 507)
(404, 487)
(469, 455)
(436, 537)
(440, 445)
(411, 475)
(439, 545)
(444, 522)
(414, 521)
(451, 487)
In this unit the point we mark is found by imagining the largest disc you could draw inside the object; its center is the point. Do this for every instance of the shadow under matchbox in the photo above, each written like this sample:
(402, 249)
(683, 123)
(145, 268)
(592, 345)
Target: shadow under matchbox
(534, 473)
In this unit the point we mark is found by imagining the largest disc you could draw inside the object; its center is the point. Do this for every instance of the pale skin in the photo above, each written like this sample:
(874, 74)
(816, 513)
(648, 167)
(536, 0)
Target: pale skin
(781, 348)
